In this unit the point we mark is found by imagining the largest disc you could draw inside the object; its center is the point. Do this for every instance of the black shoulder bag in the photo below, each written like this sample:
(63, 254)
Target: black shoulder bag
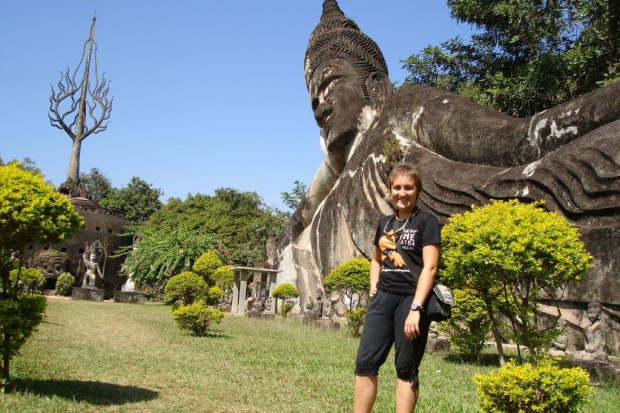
(440, 300)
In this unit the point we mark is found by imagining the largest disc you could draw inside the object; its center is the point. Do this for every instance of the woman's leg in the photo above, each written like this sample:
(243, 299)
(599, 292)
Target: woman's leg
(407, 358)
(365, 393)
(375, 344)
(406, 395)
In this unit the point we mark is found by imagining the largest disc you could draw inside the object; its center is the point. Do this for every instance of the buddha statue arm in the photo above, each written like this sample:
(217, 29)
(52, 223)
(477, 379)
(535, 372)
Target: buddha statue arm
(464, 131)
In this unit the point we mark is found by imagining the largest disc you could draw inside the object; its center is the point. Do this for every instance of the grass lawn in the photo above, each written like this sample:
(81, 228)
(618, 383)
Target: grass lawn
(90, 356)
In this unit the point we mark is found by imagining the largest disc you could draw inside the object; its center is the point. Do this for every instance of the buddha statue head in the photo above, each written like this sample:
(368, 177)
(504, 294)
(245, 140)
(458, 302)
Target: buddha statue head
(345, 72)
(594, 311)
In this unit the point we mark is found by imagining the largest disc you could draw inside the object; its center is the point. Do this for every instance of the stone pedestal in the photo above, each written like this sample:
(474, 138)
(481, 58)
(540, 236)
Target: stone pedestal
(130, 297)
(91, 294)
(599, 371)
(322, 323)
(438, 345)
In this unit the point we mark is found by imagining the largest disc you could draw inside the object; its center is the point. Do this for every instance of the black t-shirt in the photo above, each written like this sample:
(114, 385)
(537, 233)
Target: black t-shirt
(413, 235)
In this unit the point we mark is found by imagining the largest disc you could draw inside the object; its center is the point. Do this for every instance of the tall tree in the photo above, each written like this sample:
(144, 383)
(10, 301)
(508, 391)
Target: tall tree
(527, 55)
(137, 201)
(68, 109)
(97, 185)
(31, 212)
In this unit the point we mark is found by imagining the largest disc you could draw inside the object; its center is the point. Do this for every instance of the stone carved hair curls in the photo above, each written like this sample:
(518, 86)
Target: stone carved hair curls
(337, 36)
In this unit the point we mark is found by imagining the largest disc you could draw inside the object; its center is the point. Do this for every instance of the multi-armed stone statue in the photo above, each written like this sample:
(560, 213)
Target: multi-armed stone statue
(568, 156)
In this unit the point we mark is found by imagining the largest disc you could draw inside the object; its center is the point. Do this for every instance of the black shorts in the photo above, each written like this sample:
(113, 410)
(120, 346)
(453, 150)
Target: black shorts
(384, 325)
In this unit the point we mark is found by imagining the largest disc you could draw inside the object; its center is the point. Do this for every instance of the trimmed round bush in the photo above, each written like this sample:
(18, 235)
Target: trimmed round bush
(526, 388)
(286, 292)
(187, 288)
(214, 294)
(64, 284)
(206, 264)
(350, 279)
(197, 318)
(223, 278)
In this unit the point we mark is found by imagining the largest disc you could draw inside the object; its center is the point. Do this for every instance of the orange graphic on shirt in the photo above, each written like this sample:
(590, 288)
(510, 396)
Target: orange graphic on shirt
(387, 246)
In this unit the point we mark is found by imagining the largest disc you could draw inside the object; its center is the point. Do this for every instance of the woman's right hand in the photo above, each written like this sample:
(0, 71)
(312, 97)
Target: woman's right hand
(373, 291)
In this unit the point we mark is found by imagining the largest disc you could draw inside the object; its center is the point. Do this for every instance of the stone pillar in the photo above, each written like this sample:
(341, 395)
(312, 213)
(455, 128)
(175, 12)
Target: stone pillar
(243, 291)
(235, 299)
(272, 281)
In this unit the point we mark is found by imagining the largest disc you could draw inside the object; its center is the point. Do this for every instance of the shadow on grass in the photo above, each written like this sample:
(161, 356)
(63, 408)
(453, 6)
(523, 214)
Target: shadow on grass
(211, 334)
(486, 360)
(93, 392)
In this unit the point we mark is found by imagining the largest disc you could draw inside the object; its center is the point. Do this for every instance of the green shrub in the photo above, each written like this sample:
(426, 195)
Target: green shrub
(18, 319)
(286, 292)
(350, 279)
(223, 278)
(286, 308)
(186, 287)
(32, 278)
(64, 284)
(197, 318)
(525, 388)
(213, 295)
(470, 325)
(206, 264)
(512, 254)
(355, 320)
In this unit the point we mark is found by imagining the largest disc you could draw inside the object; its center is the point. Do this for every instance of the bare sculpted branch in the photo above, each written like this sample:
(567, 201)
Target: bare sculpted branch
(81, 108)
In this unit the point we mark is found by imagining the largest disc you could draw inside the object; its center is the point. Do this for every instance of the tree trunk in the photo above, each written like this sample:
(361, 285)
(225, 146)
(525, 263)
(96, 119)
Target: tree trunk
(73, 173)
(496, 335)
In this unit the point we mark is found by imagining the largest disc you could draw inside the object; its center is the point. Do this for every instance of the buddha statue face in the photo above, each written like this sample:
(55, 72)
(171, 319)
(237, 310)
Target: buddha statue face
(51, 266)
(593, 312)
(337, 102)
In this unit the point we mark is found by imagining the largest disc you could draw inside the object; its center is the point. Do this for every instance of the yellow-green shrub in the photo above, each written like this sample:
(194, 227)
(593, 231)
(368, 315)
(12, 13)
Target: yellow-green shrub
(355, 320)
(206, 264)
(223, 278)
(286, 292)
(64, 284)
(214, 295)
(525, 388)
(470, 325)
(32, 278)
(197, 318)
(186, 287)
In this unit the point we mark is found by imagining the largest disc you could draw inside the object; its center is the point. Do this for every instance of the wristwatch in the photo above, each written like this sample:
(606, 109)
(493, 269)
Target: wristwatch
(416, 307)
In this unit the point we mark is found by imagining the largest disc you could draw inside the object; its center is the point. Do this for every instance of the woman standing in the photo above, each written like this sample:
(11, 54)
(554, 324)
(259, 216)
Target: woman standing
(396, 312)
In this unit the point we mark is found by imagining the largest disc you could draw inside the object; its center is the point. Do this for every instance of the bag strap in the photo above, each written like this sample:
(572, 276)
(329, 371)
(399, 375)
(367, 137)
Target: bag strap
(444, 294)
(407, 259)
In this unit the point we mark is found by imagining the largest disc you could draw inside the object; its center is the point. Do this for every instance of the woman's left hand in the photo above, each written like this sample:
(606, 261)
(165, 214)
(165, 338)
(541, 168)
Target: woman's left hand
(412, 325)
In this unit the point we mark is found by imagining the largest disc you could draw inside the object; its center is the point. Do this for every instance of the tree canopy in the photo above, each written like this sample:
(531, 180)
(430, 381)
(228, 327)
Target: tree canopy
(526, 55)
(509, 253)
(31, 212)
(97, 185)
(137, 201)
(240, 218)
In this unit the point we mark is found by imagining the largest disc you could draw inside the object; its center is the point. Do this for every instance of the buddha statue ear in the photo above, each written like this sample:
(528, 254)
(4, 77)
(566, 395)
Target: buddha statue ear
(379, 89)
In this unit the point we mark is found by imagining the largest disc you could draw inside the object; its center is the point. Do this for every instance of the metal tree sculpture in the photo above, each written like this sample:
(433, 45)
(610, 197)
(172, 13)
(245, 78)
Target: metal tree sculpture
(68, 112)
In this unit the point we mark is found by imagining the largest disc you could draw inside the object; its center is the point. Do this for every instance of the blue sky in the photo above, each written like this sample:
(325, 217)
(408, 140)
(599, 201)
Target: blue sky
(207, 94)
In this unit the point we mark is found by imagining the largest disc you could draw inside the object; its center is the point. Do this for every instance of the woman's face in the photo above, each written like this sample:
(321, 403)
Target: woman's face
(404, 193)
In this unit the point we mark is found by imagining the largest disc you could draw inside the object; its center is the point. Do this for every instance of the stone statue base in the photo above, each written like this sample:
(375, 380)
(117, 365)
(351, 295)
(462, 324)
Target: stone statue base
(322, 323)
(438, 345)
(599, 371)
(90, 294)
(264, 316)
(129, 297)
